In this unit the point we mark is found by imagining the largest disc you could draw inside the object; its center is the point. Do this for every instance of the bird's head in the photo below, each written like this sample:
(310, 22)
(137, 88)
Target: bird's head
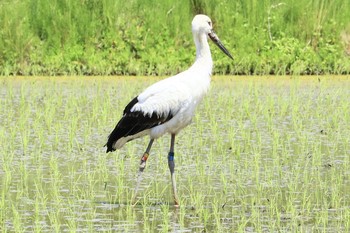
(202, 24)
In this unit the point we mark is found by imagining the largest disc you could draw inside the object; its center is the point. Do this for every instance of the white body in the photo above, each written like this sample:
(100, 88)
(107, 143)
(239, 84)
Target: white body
(179, 95)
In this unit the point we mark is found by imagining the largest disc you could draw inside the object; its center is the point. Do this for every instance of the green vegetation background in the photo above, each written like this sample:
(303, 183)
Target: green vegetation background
(149, 37)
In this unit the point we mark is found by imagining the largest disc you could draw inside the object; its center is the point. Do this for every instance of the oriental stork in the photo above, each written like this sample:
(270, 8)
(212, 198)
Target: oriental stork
(169, 105)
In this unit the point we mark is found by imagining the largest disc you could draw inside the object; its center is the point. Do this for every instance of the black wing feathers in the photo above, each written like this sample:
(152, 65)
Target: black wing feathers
(134, 122)
(130, 105)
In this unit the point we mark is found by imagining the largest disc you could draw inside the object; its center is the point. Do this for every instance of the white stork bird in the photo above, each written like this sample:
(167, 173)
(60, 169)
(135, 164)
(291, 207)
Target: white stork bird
(169, 105)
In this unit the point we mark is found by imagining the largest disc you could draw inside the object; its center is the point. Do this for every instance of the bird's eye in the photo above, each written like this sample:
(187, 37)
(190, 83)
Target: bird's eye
(209, 23)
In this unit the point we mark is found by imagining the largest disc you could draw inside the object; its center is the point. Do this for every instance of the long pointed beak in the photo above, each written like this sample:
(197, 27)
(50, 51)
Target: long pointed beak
(217, 41)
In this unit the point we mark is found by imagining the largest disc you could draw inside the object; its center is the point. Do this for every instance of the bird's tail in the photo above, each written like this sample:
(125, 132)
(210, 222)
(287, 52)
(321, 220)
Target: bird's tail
(110, 143)
(109, 148)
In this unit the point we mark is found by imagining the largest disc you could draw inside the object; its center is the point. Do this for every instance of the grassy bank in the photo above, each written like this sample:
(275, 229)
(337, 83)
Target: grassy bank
(94, 37)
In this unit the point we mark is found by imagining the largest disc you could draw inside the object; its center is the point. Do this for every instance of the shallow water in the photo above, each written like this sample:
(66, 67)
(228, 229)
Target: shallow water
(263, 154)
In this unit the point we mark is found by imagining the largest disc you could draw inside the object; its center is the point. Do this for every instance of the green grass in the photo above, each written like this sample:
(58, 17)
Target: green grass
(150, 37)
(263, 154)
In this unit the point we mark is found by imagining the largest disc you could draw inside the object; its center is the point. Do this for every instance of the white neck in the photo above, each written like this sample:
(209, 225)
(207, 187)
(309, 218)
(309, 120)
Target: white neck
(203, 54)
(202, 46)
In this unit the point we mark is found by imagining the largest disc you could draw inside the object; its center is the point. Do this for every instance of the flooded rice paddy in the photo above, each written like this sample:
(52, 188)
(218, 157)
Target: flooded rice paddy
(264, 154)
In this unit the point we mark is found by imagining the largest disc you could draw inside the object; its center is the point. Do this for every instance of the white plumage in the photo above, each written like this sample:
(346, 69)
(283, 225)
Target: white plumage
(178, 95)
(169, 105)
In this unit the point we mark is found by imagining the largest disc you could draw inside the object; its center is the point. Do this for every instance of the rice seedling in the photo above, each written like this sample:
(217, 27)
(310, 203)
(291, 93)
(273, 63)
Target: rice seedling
(263, 154)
